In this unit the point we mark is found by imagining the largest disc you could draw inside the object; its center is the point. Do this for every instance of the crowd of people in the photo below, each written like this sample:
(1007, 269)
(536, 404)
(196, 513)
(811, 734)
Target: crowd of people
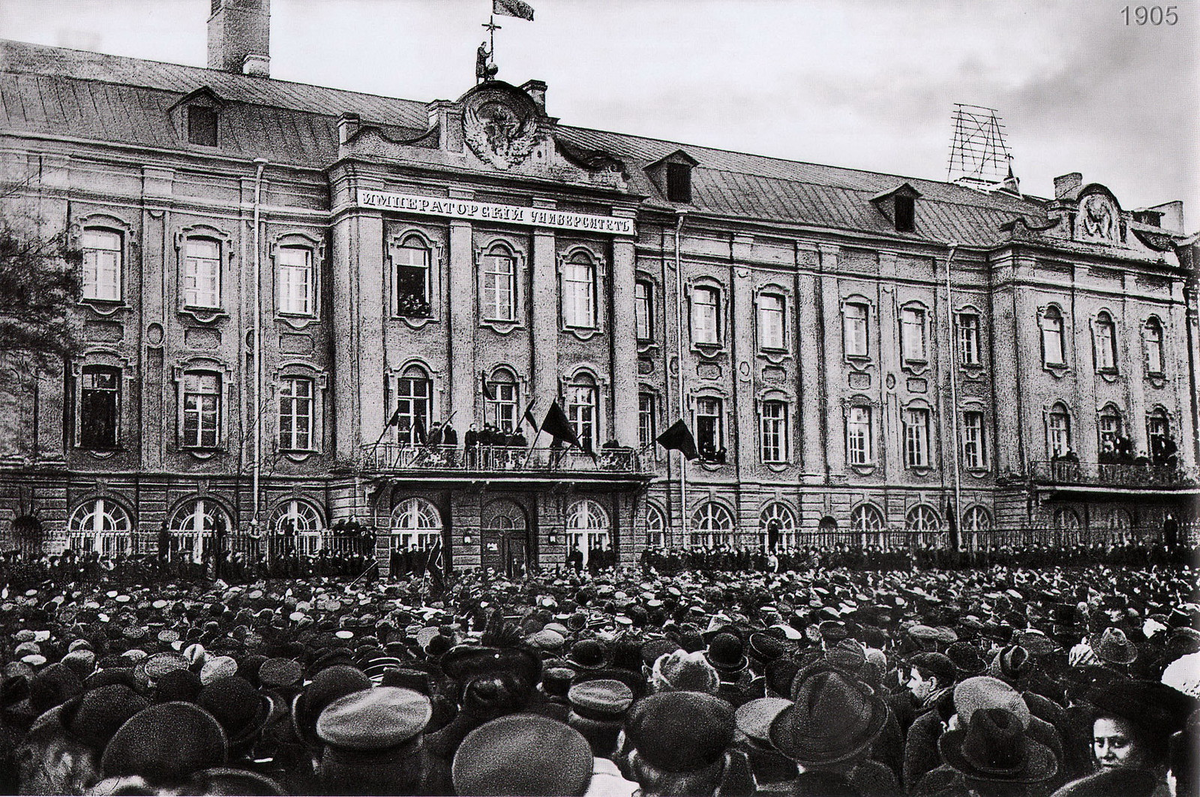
(818, 680)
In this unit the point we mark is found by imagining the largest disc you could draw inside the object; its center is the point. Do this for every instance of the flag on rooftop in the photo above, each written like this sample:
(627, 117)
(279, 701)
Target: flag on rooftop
(513, 8)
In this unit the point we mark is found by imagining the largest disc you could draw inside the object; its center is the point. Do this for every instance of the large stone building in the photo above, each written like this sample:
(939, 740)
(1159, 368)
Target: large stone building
(287, 288)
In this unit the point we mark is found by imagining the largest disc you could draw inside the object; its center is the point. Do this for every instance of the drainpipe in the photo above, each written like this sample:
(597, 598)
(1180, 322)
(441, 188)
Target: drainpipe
(679, 332)
(260, 164)
(953, 365)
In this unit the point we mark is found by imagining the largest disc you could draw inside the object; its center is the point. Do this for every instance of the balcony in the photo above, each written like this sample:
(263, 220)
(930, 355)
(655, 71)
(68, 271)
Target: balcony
(493, 463)
(1111, 475)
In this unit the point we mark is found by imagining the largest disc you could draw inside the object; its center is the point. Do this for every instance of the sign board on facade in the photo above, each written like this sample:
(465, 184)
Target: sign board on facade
(488, 211)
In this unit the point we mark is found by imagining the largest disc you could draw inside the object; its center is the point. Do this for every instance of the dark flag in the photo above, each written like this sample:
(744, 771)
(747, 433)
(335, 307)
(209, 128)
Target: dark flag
(419, 430)
(679, 437)
(487, 391)
(532, 421)
(395, 419)
(557, 426)
(435, 569)
(952, 524)
(513, 8)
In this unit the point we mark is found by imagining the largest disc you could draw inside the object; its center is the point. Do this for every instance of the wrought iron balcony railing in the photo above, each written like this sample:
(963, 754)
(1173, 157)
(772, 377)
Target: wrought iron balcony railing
(1106, 474)
(390, 457)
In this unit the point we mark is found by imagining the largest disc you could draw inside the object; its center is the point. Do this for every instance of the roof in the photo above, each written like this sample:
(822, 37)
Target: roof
(54, 90)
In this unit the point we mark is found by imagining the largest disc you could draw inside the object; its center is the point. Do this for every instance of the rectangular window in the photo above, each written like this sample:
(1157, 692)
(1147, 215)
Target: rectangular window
(916, 438)
(709, 439)
(202, 125)
(854, 330)
(646, 420)
(968, 338)
(579, 295)
(101, 265)
(858, 436)
(1058, 433)
(770, 321)
(1154, 347)
(202, 273)
(295, 414)
(773, 423)
(705, 316)
(499, 287)
(201, 409)
(99, 407)
(1052, 339)
(581, 412)
(1106, 345)
(295, 281)
(411, 261)
(974, 455)
(912, 334)
(643, 317)
(412, 407)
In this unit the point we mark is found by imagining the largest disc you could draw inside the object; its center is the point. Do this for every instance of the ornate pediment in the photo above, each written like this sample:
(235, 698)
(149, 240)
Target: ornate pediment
(501, 124)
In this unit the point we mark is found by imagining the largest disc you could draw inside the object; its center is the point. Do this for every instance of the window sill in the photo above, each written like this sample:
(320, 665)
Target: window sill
(978, 473)
(582, 333)
(777, 467)
(919, 470)
(297, 320)
(415, 322)
(101, 453)
(858, 360)
(205, 315)
(863, 469)
(202, 453)
(915, 367)
(1108, 374)
(711, 350)
(105, 307)
(776, 356)
(299, 456)
(500, 327)
(1056, 370)
(1157, 379)
(971, 370)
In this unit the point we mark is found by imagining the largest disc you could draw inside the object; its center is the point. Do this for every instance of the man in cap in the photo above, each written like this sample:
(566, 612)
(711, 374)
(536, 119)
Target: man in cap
(373, 743)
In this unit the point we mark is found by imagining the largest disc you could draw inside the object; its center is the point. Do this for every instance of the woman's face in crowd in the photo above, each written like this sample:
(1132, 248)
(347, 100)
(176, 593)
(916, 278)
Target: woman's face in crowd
(1114, 746)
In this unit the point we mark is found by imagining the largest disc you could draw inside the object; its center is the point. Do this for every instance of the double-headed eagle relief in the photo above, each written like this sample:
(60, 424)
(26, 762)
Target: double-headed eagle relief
(501, 125)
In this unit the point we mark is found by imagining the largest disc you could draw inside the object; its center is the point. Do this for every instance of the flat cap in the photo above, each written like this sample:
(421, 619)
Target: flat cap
(374, 719)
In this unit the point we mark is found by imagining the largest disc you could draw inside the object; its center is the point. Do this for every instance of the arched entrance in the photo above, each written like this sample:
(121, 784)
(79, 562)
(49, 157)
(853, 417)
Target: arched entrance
(504, 536)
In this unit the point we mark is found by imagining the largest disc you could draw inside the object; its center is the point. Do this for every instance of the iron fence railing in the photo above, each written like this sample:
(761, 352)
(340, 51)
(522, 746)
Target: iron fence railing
(1109, 474)
(387, 457)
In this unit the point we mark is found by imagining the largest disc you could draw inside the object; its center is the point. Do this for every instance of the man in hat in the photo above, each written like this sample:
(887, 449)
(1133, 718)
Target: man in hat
(373, 743)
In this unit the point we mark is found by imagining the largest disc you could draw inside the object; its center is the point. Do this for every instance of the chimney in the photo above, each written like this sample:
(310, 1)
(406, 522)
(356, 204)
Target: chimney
(239, 35)
(536, 90)
(347, 126)
(1067, 185)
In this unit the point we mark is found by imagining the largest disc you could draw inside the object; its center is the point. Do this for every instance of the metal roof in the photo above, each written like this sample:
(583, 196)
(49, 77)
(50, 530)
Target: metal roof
(108, 98)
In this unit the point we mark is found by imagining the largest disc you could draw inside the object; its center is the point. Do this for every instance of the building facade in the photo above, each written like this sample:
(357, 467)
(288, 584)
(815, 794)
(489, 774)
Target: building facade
(300, 304)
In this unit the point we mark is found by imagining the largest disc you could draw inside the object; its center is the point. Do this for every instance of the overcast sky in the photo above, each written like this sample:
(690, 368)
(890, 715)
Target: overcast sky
(859, 83)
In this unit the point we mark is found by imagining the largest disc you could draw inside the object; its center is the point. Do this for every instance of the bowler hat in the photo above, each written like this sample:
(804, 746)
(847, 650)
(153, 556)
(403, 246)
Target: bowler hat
(96, 715)
(463, 662)
(240, 709)
(994, 747)
(166, 744)
(327, 685)
(984, 692)
(726, 653)
(834, 718)
(522, 754)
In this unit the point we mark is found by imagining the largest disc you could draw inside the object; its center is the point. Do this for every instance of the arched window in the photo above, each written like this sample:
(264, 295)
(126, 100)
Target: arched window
(302, 519)
(1067, 527)
(416, 524)
(499, 284)
(1109, 426)
(656, 527)
(587, 528)
(581, 409)
(101, 526)
(827, 531)
(867, 521)
(500, 407)
(922, 518)
(1158, 434)
(712, 524)
(194, 526)
(411, 260)
(1105, 342)
(1154, 346)
(413, 392)
(976, 519)
(777, 527)
(1053, 351)
(1118, 525)
(579, 292)
(1058, 431)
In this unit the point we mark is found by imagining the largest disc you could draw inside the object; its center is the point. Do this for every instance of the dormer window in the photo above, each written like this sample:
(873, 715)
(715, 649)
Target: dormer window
(202, 125)
(899, 206)
(679, 182)
(673, 176)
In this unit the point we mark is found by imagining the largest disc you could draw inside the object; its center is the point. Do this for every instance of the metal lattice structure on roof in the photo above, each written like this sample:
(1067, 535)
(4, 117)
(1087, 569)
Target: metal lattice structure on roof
(978, 153)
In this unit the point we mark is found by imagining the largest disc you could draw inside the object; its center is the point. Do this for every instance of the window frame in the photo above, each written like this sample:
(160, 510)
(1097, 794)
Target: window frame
(695, 314)
(411, 242)
(422, 533)
(678, 178)
(1050, 317)
(1153, 328)
(595, 531)
(584, 416)
(643, 305)
(223, 242)
(489, 304)
(969, 339)
(856, 329)
(401, 388)
(90, 369)
(109, 520)
(307, 269)
(1104, 343)
(779, 313)
(718, 423)
(711, 520)
(574, 315)
(1058, 434)
(913, 335)
(503, 411)
(648, 421)
(773, 435)
(193, 125)
(915, 421)
(860, 456)
(978, 460)
(295, 415)
(1110, 427)
(90, 266)
(217, 412)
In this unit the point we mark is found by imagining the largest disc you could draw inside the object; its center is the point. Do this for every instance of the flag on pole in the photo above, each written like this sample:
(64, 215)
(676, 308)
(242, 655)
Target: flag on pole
(435, 437)
(395, 419)
(952, 524)
(487, 391)
(679, 437)
(557, 426)
(419, 431)
(513, 8)
(435, 569)
(528, 416)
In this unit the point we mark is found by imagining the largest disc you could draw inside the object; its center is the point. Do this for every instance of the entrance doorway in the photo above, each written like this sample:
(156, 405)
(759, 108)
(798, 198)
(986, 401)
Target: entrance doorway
(505, 539)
